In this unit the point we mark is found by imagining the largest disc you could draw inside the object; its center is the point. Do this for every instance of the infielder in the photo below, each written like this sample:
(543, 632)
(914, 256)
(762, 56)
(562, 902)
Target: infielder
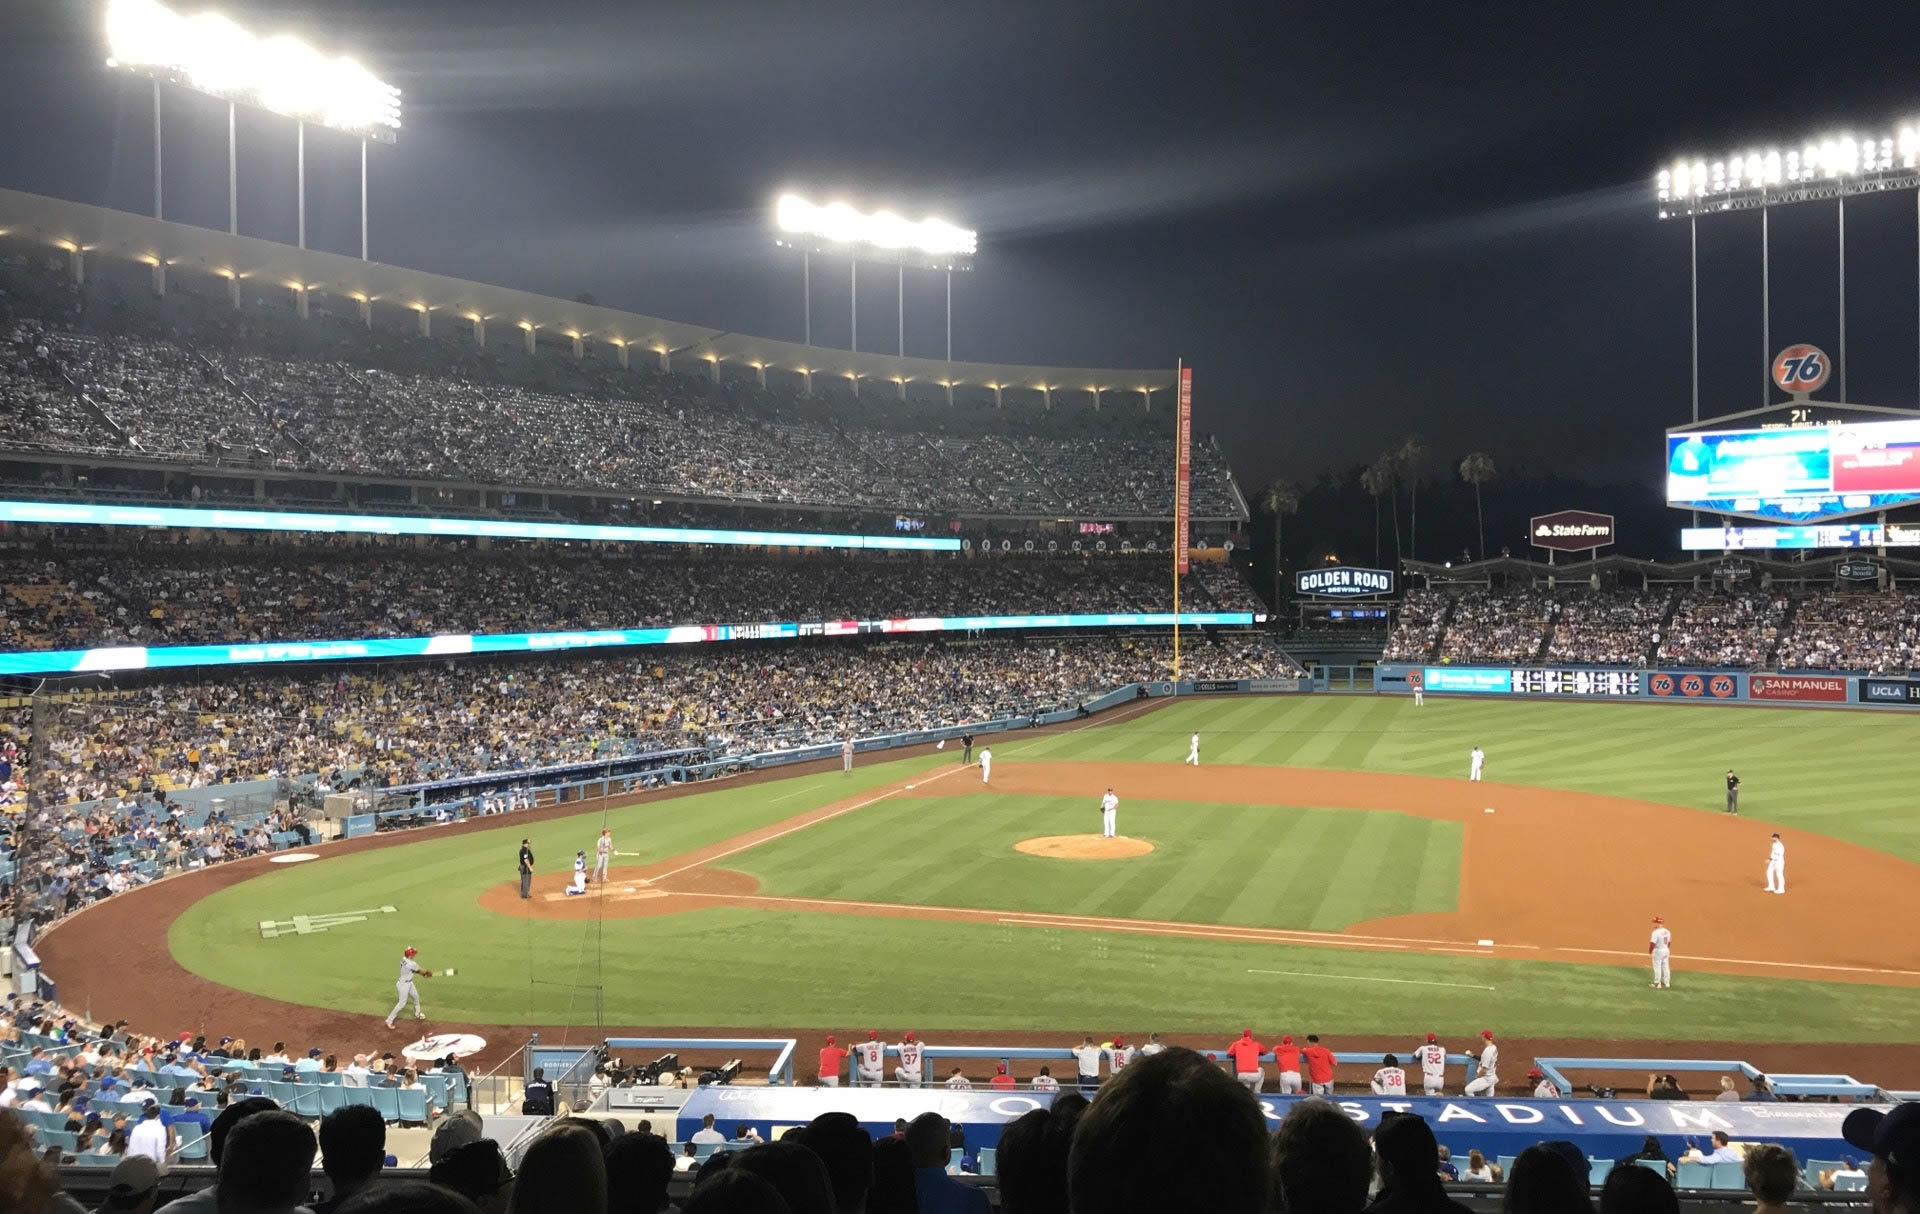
(909, 1072)
(578, 885)
(1109, 814)
(1432, 1058)
(986, 765)
(870, 1062)
(846, 755)
(1193, 751)
(1660, 948)
(1777, 866)
(408, 969)
(1487, 1075)
(1476, 760)
(603, 854)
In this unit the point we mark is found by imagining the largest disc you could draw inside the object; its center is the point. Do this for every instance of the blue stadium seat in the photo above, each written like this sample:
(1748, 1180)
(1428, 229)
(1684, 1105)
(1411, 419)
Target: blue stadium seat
(332, 1096)
(436, 1086)
(387, 1100)
(989, 1162)
(307, 1100)
(705, 1150)
(1812, 1169)
(1597, 1170)
(358, 1095)
(196, 1150)
(1729, 1176)
(330, 1078)
(953, 1158)
(279, 1092)
(1694, 1176)
(1850, 1184)
(412, 1105)
(60, 1138)
(1657, 1166)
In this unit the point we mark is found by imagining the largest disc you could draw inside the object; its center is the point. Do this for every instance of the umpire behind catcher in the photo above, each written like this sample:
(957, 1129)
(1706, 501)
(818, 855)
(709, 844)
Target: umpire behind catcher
(1733, 792)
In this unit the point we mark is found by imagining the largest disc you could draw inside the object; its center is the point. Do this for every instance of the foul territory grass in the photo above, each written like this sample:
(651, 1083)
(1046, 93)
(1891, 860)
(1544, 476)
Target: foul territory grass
(1835, 773)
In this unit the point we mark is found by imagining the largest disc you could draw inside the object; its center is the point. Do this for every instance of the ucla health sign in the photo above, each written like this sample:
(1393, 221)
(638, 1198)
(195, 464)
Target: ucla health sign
(1890, 691)
(1343, 581)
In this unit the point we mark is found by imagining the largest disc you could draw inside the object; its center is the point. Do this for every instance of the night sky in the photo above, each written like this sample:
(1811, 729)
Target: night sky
(1357, 220)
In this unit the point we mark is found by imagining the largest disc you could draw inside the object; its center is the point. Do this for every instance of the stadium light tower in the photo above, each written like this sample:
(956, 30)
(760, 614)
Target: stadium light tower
(1835, 167)
(210, 54)
(881, 236)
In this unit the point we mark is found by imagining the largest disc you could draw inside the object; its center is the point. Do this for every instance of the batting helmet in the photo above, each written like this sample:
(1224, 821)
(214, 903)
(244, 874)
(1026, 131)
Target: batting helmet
(412, 952)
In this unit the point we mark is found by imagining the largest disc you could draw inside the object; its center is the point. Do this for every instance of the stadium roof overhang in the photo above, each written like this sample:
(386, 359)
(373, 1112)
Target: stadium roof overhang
(183, 248)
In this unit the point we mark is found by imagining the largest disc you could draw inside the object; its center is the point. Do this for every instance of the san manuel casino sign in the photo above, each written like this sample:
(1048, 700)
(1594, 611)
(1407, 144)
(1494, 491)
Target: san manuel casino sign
(1343, 581)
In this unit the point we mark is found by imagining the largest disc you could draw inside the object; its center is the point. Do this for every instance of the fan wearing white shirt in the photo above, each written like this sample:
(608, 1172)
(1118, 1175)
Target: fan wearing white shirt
(1390, 1079)
(1086, 1056)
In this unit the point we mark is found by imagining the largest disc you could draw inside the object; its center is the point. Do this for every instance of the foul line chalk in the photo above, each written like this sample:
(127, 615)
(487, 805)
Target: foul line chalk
(1464, 986)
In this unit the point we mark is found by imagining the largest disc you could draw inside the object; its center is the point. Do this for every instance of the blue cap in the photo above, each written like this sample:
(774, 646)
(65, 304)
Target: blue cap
(1893, 1135)
(315, 1052)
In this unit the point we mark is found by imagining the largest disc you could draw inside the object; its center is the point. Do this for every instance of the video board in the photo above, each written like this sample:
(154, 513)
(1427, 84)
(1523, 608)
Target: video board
(1817, 535)
(1796, 473)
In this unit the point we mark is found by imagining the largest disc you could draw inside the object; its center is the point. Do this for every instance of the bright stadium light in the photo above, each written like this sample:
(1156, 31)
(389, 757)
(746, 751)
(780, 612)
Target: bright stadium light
(210, 54)
(1827, 167)
(884, 232)
(883, 236)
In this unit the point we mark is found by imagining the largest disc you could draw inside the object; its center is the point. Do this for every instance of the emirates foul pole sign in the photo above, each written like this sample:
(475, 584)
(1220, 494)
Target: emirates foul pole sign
(1183, 471)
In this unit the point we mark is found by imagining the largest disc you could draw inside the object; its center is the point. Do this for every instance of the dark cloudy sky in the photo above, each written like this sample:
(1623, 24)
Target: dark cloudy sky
(1356, 219)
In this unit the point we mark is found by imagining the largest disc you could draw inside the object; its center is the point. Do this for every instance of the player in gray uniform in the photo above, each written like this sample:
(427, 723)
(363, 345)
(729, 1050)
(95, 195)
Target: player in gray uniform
(408, 969)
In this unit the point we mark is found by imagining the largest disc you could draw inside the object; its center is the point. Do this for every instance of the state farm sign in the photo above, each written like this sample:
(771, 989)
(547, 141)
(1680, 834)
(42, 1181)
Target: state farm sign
(1806, 688)
(1571, 530)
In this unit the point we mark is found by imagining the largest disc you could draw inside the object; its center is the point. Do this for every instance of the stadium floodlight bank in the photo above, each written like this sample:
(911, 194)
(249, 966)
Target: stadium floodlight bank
(1832, 166)
(883, 236)
(210, 54)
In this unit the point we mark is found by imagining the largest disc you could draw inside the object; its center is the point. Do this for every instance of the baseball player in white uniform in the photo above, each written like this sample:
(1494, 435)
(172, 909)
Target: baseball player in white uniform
(409, 968)
(909, 1072)
(986, 765)
(846, 755)
(870, 1062)
(1390, 1079)
(1777, 866)
(578, 885)
(1119, 1054)
(1432, 1057)
(1109, 814)
(603, 854)
(1487, 1075)
(1419, 691)
(1193, 750)
(1660, 949)
(1478, 760)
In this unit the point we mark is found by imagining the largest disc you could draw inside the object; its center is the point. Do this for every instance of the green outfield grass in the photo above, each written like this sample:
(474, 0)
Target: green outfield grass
(1836, 773)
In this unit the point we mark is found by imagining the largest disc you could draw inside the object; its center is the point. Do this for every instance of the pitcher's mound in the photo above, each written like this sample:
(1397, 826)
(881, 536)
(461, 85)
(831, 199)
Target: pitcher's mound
(1083, 847)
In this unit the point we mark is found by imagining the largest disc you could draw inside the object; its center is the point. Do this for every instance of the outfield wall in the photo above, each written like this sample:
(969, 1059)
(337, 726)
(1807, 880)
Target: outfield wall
(1796, 689)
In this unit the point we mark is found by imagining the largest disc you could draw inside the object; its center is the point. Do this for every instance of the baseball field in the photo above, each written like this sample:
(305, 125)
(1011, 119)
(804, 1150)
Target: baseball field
(1328, 864)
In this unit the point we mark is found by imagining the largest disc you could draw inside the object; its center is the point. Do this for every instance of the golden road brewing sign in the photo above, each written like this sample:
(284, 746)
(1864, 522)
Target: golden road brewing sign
(1343, 581)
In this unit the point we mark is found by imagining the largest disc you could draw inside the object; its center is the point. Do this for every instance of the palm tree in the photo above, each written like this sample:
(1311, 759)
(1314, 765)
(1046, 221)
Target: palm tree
(1280, 499)
(1477, 469)
(1376, 478)
(1412, 454)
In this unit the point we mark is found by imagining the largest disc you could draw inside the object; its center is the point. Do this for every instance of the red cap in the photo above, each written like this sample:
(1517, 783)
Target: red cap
(412, 952)
(1119, 1040)
(1536, 1073)
(186, 1037)
(829, 1038)
(909, 1034)
(1431, 1039)
(873, 1034)
(1002, 1068)
(1246, 1032)
(1287, 1040)
(1487, 1033)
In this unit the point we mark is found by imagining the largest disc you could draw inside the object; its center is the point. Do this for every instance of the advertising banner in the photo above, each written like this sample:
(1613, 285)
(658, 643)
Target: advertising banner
(1536, 682)
(1183, 471)
(1343, 581)
(1571, 530)
(1216, 685)
(1693, 684)
(1273, 684)
(1889, 691)
(1466, 678)
(1799, 688)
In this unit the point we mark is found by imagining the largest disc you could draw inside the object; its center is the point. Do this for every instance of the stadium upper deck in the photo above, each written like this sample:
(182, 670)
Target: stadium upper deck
(224, 354)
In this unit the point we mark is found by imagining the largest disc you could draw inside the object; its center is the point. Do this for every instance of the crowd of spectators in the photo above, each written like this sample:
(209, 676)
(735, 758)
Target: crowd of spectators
(1423, 613)
(1606, 627)
(102, 370)
(1876, 633)
(63, 595)
(1173, 1132)
(1714, 628)
(1496, 626)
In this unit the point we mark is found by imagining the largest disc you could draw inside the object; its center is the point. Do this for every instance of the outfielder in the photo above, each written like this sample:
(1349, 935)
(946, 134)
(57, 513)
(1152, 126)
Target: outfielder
(1419, 691)
(408, 968)
(1477, 760)
(1660, 948)
(1777, 866)
(870, 1062)
(909, 1072)
(846, 754)
(986, 765)
(603, 854)
(1487, 1075)
(1109, 814)
(1193, 751)
(1432, 1058)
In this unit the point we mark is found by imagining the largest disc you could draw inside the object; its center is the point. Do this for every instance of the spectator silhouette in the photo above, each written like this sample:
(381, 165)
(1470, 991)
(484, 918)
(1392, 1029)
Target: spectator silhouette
(792, 1169)
(353, 1147)
(1631, 1189)
(1032, 1158)
(846, 1150)
(1172, 1132)
(639, 1168)
(1409, 1160)
(406, 1197)
(1322, 1162)
(1543, 1181)
(268, 1165)
(562, 1173)
(935, 1191)
(731, 1191)
(893, 1180)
